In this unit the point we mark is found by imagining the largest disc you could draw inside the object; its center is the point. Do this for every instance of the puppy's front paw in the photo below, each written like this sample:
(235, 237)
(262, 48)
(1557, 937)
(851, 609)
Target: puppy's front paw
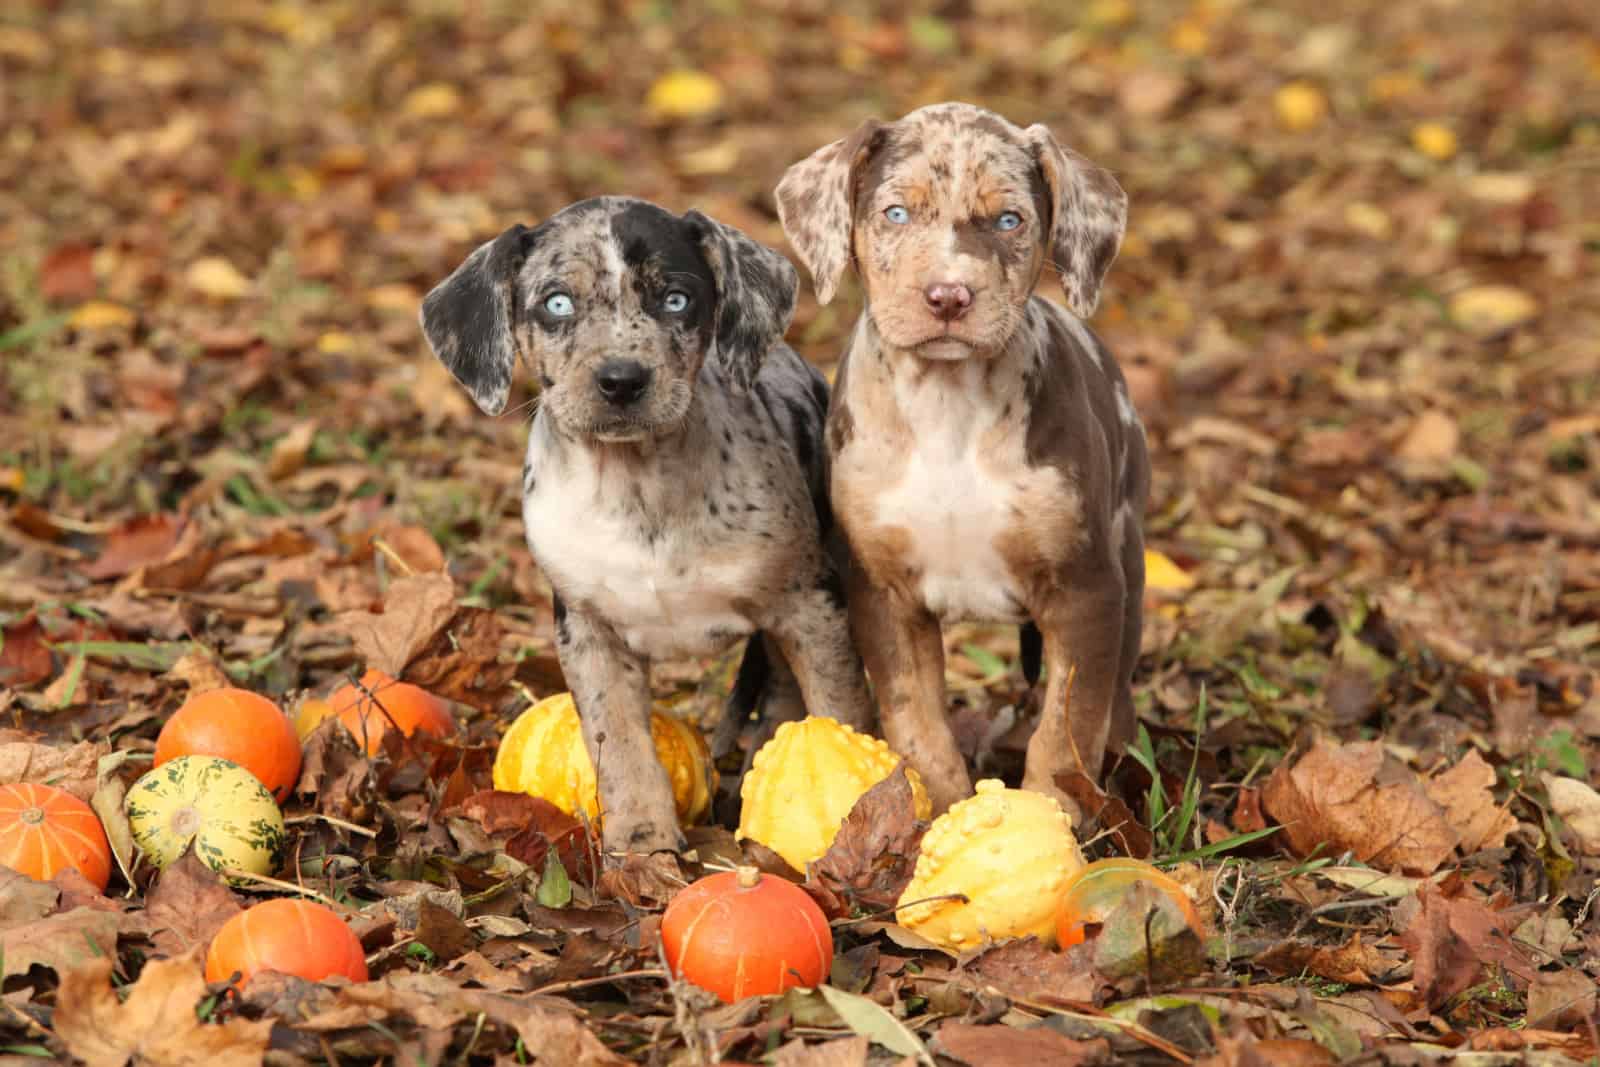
(638, 833)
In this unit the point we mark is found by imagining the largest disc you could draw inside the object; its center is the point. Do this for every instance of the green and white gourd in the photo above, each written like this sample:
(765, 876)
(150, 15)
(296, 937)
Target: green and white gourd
(215, 804)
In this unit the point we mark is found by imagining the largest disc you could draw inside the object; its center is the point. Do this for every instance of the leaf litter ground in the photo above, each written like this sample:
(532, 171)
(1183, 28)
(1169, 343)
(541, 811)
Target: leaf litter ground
(1356, 305)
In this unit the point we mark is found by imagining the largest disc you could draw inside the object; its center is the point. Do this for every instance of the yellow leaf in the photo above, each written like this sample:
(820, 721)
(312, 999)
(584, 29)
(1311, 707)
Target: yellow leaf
(335, 343)
(1163, 574)
(12, 478)
(1492, 308)
(396, 296)
(216, 277)
(432, 101)
(101, 315)
(1369, 219)
(1189, 37)
(1300, 106)
(1434, 140)
(684, 94)
(719, 158)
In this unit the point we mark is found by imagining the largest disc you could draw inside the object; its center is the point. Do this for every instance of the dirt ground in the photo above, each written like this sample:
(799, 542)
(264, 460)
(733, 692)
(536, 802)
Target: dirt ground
(1358, 309)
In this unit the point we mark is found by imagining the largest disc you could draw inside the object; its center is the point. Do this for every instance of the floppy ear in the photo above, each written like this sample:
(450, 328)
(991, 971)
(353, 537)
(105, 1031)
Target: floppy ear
(470, 318)
(1089, 212)
(755, 295)
(816, 204)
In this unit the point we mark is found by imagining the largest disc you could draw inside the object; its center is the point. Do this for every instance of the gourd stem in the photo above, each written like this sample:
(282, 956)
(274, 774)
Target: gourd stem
(749, 877)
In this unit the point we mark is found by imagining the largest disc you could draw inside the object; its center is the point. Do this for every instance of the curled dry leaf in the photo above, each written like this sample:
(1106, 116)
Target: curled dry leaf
(875, 851)
(1337, 798)
(1465, 792)
(415, 609)
(1013, 1046)
(186, 906)
(1579, 807)
(74, 768)
(138, 542)
(156, 1024)
(1453, 938)
(1028, 968)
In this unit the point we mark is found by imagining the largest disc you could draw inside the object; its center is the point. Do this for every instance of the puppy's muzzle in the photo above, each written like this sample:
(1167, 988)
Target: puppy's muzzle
(948, 301)
(622, 381)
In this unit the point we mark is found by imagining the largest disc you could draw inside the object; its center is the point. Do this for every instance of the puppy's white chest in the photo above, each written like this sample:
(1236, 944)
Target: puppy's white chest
(663, 595)
(955, 513)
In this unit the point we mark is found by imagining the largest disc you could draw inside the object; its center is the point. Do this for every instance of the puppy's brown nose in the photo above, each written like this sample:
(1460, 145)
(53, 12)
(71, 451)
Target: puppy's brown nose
(621, 381)
(948, 300)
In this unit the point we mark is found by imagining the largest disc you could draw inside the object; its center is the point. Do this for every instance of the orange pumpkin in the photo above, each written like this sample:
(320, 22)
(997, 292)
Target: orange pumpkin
(401, 704)
(44, 829)
(240, 726)
(1091, 894)
(291, 936)
(741, 934)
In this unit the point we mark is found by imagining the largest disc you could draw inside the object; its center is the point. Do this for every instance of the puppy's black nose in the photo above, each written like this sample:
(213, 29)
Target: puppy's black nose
(948, 300)
(622, 381)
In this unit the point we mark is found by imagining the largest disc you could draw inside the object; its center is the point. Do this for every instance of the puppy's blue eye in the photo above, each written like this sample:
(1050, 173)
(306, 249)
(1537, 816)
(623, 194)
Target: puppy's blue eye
(676, 301)
(1008, 220)
(897, 215)
(560, 305)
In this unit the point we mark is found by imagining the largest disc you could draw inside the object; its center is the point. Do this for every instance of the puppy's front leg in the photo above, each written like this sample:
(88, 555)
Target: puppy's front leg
(1082, 631)
(905, 657)
(812, 633)
(611, 686)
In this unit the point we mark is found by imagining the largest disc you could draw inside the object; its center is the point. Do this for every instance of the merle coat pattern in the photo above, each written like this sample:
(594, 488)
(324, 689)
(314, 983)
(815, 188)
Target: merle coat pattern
(673, 492)
(985, 459)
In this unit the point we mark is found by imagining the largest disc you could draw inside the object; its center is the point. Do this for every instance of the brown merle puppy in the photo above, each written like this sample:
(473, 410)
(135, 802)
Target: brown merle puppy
(986, 462)
(673, 493)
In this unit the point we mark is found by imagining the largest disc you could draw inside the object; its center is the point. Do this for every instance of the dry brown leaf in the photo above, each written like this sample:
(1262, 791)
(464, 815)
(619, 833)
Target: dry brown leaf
(415, 609)
(1579, 807)
(24, 900)
(138, 542)
(74, 768)
(1355, 962)
(1014, 1046)
(1465, 792)
(1028, 968)
(157, 1023)
(61, 941)
(1433, 438)
(1564, 998)
(644, 881)
(1452, 938)
(187, 906)
(199, 671)
(873, 854)
(841, 1052)
(1356, 798)
(24, 658)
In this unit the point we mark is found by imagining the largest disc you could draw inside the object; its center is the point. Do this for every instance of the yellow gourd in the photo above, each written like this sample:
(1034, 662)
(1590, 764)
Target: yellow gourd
(220, 807)
(543, 755)
(1008, 851)
(806, 779)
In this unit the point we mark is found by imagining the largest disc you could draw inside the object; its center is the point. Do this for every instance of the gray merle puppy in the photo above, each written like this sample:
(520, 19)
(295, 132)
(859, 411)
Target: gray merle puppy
(673, 493)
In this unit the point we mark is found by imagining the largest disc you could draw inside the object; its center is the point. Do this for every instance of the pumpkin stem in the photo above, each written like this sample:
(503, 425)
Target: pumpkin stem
(32, 816)
(749, 877)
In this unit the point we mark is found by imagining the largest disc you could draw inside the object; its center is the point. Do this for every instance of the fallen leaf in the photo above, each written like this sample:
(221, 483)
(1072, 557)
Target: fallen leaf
(529, 827)
(1491, 309)
(61, 941)
(67, 273)
(1029, 969)
(23, 899)
(871, 1021)
(843, 1052)
(138, 542)
(684, 94)
(1103, 813)
(1465, 792)
(643, 881)
(1163, 575)
(1434, 140)
(199, 671)
(215, 277)
(1451, 939)
(1356, 962)
(1300, 106)
(436, 100)
(415, 609)
(1433, 438)
(101, 315)
(187, 906)
(289, 451)
(872, 857)
(74, 768)
(1356, 798)
(25, 659)
(1564, 998)
(157, 1023)
(1579, 807)
(1016, 1046)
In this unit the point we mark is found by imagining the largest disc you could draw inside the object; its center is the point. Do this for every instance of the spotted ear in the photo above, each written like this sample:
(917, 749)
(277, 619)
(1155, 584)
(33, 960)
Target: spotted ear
(755, 295)
(1089, 212)
(816, 204)
(469, 318)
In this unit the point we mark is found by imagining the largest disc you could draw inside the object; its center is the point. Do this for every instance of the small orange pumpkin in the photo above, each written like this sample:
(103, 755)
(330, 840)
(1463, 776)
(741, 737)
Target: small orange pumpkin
(741, 933)
(294, 937)
(237, 725)
(411, 708)
(1091, 894)
(44, 830)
